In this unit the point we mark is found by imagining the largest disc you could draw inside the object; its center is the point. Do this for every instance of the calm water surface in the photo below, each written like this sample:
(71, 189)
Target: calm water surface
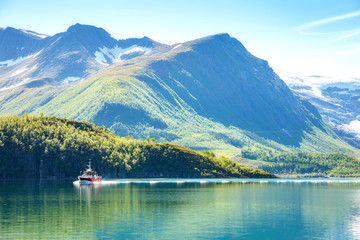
(181, 209)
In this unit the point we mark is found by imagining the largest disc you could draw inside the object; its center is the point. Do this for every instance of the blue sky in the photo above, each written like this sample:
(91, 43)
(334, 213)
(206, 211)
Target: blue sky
(297, 37)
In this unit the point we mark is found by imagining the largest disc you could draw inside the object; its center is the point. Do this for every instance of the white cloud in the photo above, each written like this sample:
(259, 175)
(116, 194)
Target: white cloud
(331, 19)
(330, 52)
(347, 34)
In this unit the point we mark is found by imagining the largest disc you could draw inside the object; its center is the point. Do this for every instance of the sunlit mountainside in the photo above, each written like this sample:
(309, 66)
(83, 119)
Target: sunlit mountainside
(206, 94)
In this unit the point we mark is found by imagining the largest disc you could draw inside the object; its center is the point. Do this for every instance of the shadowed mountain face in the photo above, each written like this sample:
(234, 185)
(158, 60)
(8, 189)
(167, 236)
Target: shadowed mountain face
(16, 43)
(222, 81)
(209, 93)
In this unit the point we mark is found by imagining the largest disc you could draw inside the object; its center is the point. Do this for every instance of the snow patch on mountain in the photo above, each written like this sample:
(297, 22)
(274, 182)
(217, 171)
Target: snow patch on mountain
(177, 46)
(114, 54)
(134, 49)
(12, 62)
(24, 69)
(316, 91)
(70, 80)
(33, 67)
(100, 58)
(15, 85)
(55, 41)
(19, 71)
(34, 33)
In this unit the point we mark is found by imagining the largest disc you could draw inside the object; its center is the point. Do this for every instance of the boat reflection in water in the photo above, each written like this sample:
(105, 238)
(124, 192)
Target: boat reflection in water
(88, 192)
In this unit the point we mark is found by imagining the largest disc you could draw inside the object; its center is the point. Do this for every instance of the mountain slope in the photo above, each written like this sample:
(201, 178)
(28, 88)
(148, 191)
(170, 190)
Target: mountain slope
(221, 80)
(207, 94)
(181, 100)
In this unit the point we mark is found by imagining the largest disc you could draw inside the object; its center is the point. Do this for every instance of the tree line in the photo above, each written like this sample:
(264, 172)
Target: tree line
(313, 164)
(40, 146)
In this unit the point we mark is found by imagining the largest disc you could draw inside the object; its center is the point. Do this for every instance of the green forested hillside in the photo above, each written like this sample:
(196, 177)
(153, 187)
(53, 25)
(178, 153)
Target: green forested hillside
(32, 146)
(298, 163)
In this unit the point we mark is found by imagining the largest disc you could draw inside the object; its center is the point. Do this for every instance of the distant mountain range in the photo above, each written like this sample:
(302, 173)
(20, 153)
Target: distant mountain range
(207, 94)
(29, 58)
(338, 101)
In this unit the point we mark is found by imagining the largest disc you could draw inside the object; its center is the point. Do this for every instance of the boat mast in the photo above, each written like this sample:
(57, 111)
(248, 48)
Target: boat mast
(89, 165)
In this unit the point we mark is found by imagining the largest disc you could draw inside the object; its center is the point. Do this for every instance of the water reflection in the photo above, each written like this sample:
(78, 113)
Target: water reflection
(180, 209)
(354, 226)
(88, 192)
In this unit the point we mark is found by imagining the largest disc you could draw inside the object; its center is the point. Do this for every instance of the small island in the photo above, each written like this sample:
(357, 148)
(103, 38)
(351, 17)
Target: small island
(50, 147)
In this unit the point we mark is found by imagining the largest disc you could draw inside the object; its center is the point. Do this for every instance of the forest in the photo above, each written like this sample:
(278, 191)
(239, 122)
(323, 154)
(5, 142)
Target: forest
(50, 147)
(310, 164)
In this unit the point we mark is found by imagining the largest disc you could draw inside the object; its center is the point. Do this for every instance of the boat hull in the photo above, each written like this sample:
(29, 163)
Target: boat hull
(83, 180)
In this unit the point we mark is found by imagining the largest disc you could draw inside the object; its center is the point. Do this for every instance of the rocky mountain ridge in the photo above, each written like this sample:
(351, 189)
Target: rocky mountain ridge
(76, 54)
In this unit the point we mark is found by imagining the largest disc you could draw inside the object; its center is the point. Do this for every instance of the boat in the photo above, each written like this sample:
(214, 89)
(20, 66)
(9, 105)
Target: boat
(89, 176)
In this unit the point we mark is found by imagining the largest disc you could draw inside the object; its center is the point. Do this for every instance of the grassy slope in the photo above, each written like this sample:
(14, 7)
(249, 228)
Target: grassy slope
(120, 85)
(25, 100)
(33, 146)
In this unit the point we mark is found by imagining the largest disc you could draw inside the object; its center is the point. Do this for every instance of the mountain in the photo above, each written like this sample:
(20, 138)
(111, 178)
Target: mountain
(222, 81)
(17, 44)
(66, 57)
(337, 101)
(33, 147)
(206, 94)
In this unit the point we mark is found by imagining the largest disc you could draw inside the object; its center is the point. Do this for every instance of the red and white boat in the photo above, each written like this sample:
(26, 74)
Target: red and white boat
(89, 176)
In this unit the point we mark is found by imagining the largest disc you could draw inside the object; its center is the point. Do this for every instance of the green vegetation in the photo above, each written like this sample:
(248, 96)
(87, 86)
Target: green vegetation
(32, 146)
(311, 164)
(172, 97)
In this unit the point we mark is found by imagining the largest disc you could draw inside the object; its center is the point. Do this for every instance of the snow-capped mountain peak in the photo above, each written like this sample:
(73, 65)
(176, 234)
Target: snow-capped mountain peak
(66, 57)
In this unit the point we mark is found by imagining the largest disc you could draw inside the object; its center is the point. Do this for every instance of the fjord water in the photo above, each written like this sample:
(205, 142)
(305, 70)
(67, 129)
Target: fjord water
(181, 209)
